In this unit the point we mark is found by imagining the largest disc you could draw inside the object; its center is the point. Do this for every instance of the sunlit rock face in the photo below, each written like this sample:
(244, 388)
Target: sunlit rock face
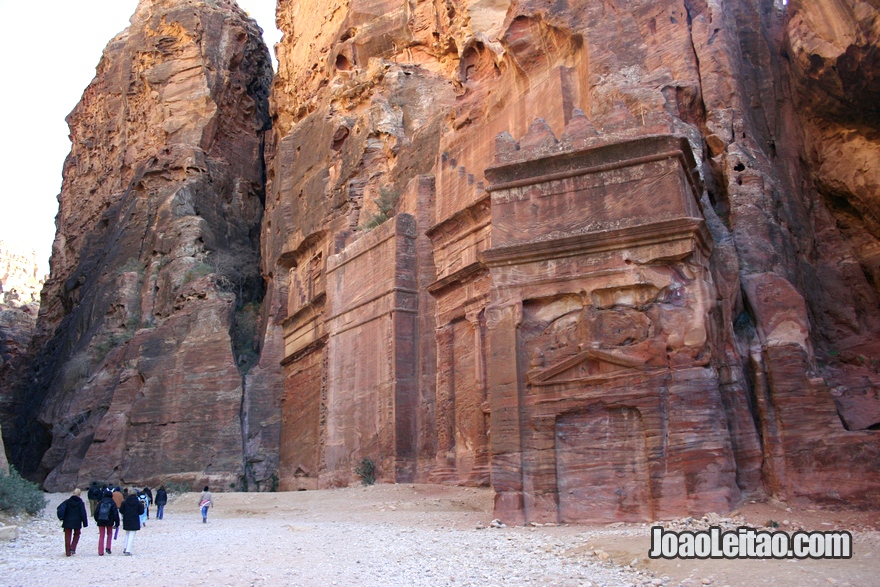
(617, 260)
(20, 285)
(149, 316)
(625, 254)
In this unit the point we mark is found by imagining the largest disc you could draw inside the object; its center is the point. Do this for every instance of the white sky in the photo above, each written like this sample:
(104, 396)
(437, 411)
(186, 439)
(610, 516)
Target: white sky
(50, 49)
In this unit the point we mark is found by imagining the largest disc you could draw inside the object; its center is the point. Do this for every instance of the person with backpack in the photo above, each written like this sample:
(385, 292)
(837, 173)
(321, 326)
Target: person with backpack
(107, 518)
(131, 511)
(161, 500)
(73, 516)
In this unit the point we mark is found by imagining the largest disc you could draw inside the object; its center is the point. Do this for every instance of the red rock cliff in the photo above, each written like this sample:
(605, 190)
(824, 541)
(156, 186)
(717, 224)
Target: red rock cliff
(714, 334)
(617, 245)
(20, 284)
(150, 312)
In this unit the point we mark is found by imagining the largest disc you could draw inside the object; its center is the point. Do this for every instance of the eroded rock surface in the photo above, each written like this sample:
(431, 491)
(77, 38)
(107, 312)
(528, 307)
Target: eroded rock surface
(152, 304)
(714, 336)
(20, 285)
(626, 246)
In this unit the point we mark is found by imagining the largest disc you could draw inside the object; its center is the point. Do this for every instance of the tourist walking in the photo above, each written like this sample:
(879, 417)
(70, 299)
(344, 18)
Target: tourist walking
(146, 503)
(131, 511)
(161, 500)
(149, 495)
(94, 495)
(107, 518)
(118, 497)
(73, 516)
(205, 502)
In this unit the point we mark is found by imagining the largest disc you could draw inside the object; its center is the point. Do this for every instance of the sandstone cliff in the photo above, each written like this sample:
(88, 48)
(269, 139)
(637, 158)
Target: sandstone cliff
(20, 285)
(20, 278)
(149, 315)
(510, 344)
(617, 259)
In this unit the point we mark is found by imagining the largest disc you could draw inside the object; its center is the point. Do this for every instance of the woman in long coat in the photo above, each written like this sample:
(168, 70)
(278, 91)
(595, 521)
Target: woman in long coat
(75, 518)
(131, 511)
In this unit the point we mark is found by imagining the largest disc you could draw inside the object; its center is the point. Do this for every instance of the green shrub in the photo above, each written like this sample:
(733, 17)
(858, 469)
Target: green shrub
(17, 494)
(366, 471)
(197, 271)
(386, 204)
(175, 488)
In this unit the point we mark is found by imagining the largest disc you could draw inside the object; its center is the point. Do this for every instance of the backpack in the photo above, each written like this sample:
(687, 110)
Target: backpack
(103, 513)
(62, 509)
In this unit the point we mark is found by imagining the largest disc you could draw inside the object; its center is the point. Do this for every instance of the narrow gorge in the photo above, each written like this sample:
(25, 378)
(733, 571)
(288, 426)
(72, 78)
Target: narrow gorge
(616, 259)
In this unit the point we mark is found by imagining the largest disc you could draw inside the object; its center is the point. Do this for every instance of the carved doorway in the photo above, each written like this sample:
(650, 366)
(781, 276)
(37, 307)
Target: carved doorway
(601, 466)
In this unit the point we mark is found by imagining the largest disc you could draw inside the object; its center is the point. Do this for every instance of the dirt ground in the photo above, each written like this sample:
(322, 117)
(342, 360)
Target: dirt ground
(407, 535)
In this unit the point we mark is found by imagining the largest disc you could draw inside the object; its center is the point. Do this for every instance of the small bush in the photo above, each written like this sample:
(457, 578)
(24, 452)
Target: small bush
(366, 471)
(17, 494)
(385, 204)
(176, 488)
(197, 271)
(76, 370)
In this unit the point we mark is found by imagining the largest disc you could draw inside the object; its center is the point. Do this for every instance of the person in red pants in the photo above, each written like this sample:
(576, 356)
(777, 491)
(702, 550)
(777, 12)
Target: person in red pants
(107, 518)
(74, 518)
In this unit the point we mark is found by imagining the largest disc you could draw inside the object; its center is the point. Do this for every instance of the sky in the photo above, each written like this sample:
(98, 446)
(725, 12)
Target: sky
(50, 50)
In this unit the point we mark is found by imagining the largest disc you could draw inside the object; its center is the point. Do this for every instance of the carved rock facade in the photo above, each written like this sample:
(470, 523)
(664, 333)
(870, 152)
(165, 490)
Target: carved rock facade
(616, 259)
(617, 315)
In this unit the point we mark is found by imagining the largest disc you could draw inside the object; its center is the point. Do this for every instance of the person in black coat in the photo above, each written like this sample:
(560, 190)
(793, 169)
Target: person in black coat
(94, 494)
(107, 518)
(75, 518)
(161, 500)
(131, 511)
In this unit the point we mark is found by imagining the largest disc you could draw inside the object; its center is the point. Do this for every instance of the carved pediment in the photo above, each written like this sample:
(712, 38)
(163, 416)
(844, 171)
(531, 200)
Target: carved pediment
(588, 366)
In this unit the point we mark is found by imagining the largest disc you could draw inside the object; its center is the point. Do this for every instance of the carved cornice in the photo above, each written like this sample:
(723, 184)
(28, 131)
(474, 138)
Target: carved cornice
(306, 350)
(468, 273)
(596, 159)
(315, 306)
(600, 241)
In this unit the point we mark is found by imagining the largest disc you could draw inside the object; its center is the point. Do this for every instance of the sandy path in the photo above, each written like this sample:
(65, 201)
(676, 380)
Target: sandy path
(417, 535)
(382, 535)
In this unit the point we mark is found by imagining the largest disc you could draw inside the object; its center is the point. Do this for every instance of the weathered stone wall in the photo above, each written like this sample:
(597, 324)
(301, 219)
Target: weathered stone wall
(648, 226)
(150, 312)
(380, 94)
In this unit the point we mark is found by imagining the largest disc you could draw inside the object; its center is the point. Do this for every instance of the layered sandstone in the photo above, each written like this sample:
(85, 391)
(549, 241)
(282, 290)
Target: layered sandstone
(565, 292)
(20, 285)
(835, 70)
(150, 311)
(625, 246)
